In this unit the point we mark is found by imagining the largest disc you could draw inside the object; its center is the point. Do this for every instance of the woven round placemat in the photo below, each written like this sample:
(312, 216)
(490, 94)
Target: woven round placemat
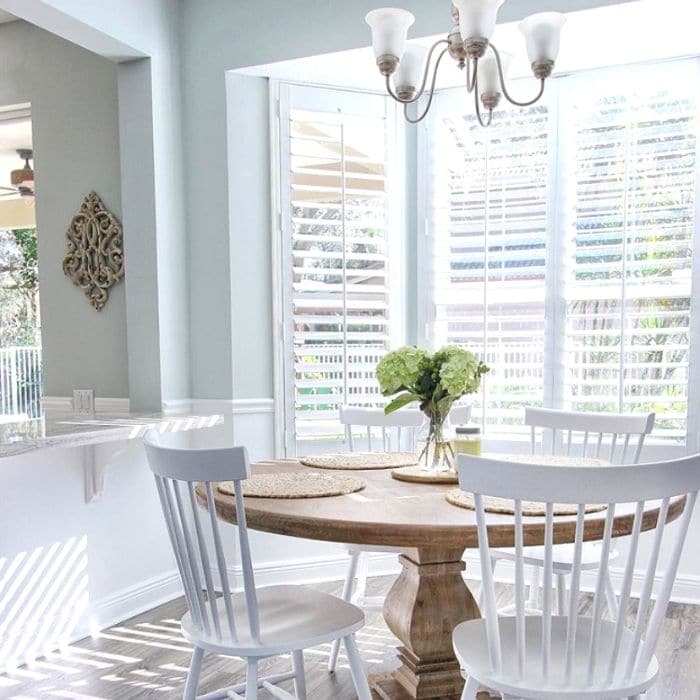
(417, 475)
(464, 499)
(296, 485)
(360, 460)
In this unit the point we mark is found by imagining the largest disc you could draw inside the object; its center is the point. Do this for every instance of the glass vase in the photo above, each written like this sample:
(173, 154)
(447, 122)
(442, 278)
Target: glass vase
(436, 455)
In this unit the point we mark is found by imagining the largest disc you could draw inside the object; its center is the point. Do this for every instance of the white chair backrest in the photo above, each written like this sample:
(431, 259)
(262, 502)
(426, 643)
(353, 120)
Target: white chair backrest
(176, 471)
(403, 420)
(460, 414)
(634, 485)
(616, 437)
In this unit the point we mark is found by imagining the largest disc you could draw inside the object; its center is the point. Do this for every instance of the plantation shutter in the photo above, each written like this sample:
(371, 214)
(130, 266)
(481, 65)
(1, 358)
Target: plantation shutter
(336, 223)
(605, 175)
(488, 226)
(632, 137)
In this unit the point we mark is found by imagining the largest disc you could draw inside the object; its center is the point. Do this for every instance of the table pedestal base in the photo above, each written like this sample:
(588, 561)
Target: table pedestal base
(423, 606)
(385, 687)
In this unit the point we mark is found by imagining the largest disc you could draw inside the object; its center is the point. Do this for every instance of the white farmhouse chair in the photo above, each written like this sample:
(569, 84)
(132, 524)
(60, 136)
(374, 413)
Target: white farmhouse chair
(258, 622)
(400, 423)
(570, 656)
(615, 437)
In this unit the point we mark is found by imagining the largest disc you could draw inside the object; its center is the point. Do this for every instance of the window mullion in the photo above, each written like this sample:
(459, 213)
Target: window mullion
(343, 195)
(558, 230)
(693, 423)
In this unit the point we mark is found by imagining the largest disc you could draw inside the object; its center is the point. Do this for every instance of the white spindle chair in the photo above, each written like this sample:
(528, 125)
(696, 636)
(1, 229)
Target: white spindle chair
(615, 437)
(403, 424)
(258, 622)
(571, 656)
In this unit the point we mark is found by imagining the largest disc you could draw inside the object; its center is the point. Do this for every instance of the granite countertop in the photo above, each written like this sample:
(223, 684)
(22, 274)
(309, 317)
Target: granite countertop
(56, 429)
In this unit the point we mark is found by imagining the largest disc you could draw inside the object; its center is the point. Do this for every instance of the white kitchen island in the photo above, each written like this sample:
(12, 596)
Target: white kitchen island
(82, 541)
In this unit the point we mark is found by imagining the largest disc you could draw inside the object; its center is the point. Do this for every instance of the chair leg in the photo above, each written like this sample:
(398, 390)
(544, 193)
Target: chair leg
(611, 597)
(251, 680)
(470, 689)
(299, 677)
(561, 594)
(190, 692)
(359, 677)
(533, 599)
(362, 575)
(347, 595)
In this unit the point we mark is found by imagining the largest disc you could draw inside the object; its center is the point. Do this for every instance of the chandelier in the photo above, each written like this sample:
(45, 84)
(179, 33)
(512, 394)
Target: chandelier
(468, 43)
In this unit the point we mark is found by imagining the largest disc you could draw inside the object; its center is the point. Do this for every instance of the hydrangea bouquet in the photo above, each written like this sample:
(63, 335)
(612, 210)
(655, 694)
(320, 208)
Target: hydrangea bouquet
(434, 381)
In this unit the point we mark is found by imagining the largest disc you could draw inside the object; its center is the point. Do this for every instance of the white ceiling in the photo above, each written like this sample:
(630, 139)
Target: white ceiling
(632, 32)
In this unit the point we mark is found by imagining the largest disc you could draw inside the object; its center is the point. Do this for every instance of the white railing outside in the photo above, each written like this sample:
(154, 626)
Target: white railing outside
(20, 381)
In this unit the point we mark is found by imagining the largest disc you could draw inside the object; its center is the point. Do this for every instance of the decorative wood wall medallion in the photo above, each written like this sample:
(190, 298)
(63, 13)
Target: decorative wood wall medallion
(95, 258)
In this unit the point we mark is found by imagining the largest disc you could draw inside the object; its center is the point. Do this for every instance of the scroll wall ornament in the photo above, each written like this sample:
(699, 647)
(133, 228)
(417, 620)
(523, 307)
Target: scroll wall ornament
(95, 258)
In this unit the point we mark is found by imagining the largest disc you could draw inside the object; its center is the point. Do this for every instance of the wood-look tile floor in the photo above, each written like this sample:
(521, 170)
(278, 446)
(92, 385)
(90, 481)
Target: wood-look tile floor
(146, 657)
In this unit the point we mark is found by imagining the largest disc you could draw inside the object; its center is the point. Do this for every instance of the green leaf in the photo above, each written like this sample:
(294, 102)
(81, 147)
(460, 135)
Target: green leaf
(400, 402)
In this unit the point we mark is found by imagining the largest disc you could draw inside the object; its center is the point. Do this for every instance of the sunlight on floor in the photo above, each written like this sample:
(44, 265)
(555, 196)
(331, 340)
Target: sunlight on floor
(140, 640)
(43, 595)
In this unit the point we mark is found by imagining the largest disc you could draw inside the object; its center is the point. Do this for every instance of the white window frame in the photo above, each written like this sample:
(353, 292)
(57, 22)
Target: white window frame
(284, 389)
(555, 305)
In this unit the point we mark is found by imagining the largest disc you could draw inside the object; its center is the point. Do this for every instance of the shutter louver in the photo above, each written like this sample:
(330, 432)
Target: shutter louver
(622, 186)
(339, 264)
(628, 280)
(489, 211)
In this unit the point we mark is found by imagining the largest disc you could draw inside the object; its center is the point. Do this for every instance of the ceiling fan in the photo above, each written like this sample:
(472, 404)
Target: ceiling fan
(22, 179)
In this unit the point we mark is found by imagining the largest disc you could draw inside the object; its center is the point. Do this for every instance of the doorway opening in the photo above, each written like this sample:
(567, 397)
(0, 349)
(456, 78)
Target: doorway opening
(20, 320)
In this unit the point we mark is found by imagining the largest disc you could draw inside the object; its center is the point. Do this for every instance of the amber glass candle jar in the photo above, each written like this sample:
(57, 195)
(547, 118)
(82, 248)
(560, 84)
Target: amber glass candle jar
(467, 441)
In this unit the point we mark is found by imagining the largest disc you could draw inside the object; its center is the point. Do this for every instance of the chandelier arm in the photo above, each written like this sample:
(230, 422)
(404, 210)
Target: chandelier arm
(501, 78)
(471, 80)
(478, 108)
(426, 72)
(432, 93)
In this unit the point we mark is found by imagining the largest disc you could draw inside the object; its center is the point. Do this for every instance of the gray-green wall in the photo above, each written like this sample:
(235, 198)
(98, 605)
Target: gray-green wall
(220, 35)
(73, 96)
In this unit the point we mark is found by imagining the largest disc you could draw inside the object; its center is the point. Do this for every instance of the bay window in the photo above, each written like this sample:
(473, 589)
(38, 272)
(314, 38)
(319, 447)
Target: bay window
(560, 244)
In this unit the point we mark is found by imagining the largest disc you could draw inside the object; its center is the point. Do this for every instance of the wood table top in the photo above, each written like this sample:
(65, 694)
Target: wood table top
(401, 514)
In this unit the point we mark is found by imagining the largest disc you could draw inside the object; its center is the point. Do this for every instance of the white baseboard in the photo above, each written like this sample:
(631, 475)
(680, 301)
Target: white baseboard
(686, 588)
(149, 594)
(333, 568)
(111, 610)
(311, 570)
(133, 600)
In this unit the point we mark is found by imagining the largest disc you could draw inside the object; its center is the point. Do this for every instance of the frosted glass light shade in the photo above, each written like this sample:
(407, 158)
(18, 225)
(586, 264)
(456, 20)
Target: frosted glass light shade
(542, 32)
(410, 70)
(487, 73)
(389, 30)
(477, 18)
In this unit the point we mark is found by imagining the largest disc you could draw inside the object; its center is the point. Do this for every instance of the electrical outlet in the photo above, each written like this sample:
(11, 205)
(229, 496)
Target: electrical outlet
(84, 400)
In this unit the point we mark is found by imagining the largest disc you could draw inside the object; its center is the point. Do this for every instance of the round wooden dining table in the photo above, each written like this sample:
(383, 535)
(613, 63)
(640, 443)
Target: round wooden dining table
(430, 596)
